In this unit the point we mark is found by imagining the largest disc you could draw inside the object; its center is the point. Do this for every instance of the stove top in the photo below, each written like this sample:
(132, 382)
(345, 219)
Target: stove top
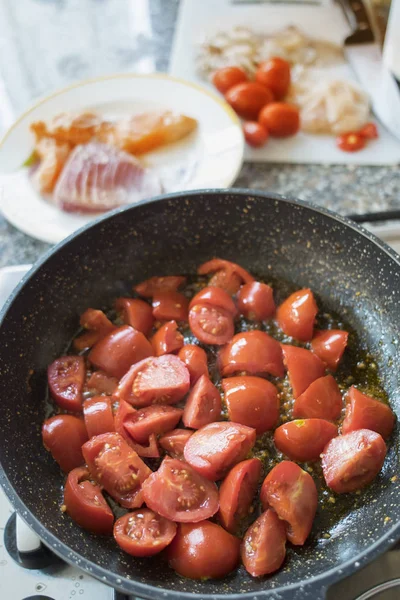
(30, 571)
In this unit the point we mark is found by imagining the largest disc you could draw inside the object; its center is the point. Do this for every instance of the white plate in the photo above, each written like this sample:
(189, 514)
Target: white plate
(210, 157)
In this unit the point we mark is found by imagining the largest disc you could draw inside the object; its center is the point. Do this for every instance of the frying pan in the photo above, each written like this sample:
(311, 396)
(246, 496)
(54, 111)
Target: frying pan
(347, 267)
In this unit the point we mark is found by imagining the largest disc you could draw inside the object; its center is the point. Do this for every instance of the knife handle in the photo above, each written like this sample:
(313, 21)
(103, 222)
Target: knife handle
(359, 21)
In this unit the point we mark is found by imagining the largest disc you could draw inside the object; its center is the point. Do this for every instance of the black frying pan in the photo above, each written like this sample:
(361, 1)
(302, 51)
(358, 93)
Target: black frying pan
(345, 265)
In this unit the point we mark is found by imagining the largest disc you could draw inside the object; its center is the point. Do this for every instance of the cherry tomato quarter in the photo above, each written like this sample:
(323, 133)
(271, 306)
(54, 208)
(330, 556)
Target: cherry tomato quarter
(275, 75)
(219, 264)
(173, 442)
(66, 378)
(151, 419)
(170, 306)
(303, 367)
(321, 400)
(247, 99)
(369, 131)
(215, 297)
(102, 383)
(195, 360)
(168, 283)
(255, 134)
(203, 551)
(227, 77)
(98, 326)
(203, 405)
(136, 313)
(167, 339)
(63, 436)
(254, 352)
(296, 315)
(177, 492)
(364, 412)
(280, 119)
(329, 345)
(304, 439)
(263, 548)
(237, 492)
(352, 461)
(98, 415)
(351, 142)
(211, 325)
(252, 401)
(256, 301)
(143, 533)
(124, 414)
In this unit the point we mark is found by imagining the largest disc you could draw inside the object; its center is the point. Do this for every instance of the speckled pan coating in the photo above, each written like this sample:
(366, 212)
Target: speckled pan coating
(345, 265)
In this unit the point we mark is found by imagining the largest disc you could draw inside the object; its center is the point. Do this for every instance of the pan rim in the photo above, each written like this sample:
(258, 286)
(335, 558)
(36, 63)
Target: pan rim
(320, 581)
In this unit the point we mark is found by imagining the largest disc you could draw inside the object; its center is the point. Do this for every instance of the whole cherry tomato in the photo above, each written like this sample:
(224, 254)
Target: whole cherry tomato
(227, 77)
(247, 99)
(255, 134)
(275, 75)
(280, 118)
(369, 131)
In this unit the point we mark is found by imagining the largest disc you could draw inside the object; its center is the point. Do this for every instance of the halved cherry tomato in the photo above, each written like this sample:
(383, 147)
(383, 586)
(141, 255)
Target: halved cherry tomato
(170, 306)
(178, 493)
(203, 405)
(157, 379)
(167, 339)
(64, 435)
(151, 419)
(169, 283)
(136, 313)
(123, 414)
(98, 415)
(296, 315)
(202, 551)
(118, 468)
(174, 442)
(215, 297)
(247, 99)
(369, 131)
(364, 412)
(252, 401)
(102, 383)
(352, 461)
(321, 400)
(227, 77)
(291, 492)
(98, 326)
(280, 119)
(255, 134)
(351, 142)
(215, 448)
(211, 325)
(237, 492)
(143, 533)
(219, 264)
(256, 301)
(304, 439)
(329, 345)
(303, 368)
(195, 359)
(254, 352)
(119, 350)
(85, 503)
(66, 378)
(263, 548)
(275, 75)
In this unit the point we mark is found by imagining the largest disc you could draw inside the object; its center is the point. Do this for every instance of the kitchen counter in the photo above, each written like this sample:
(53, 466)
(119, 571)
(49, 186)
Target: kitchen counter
(46, 44)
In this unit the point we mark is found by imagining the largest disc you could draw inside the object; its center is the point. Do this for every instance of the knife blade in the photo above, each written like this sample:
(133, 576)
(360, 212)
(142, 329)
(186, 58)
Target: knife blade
(365, 57)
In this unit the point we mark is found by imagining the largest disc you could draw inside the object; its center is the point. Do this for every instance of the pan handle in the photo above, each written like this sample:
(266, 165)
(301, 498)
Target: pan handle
(359, 22)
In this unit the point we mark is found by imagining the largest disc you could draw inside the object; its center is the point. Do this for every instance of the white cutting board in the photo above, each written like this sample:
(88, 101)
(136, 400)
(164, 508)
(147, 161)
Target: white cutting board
(198, 18)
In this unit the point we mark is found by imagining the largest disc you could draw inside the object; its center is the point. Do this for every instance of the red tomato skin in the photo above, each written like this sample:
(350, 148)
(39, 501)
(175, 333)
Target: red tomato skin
(296, 315)
(145, 519)
(254, 352)
(138, 386)
(151, 419)
(303, 367)
(215, 448)
(255, 134)
(66, 378)
(102, 383)
(227, 77)
(98, 326)
(96, 517)
(112, 463)
(215, 296)
(280, 119)
(211, 325)
(63, 436)
(170, 306)
(119, 350)
(275, 75)
(173, 442)
(247, 99)
(291, 492)
(203, 405)
(203, 550)
(329, 346)
(364, 412)
(136, 313)
(98, 415)
(167, 339)
(171, 501)
(123, 414)
(351, 142)
(168, 283)
(321, 400)
(227, 280)
(256, 301)
(352, 461)
(304, 439)
(195, 360)
(237, 491)
(252, 401)
(369, 131)
(263, 549)
(219, 264)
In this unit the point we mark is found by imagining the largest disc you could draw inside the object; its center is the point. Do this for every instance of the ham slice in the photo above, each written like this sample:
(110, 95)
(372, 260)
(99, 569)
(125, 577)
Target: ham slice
(98, 177)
